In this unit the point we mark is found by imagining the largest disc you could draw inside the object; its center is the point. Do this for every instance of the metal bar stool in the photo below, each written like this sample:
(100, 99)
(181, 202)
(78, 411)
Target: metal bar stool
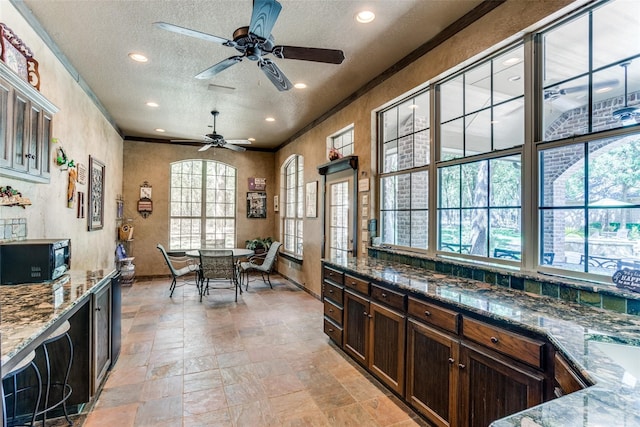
(61, 386)
(12, 377)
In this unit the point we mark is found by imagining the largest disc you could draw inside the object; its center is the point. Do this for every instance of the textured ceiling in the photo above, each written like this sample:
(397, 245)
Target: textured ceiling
(96, 36)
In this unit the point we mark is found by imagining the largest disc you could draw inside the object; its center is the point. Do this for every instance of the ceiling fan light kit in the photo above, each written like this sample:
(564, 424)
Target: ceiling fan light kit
(255, 42)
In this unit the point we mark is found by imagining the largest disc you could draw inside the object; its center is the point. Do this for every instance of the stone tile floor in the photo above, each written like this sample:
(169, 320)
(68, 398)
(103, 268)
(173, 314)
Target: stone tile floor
(263, 361)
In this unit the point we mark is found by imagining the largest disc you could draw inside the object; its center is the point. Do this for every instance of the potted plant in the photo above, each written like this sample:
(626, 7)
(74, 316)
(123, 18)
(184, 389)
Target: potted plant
(259, 245)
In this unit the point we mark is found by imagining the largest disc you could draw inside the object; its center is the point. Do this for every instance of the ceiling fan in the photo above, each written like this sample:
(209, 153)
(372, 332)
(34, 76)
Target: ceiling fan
(626, 115)
(214, 139)
(255, 42)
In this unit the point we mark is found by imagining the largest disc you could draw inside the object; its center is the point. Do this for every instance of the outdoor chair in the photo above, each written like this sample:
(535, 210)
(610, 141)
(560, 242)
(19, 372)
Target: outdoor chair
(181, 267)
(218, 265)
(264, 268)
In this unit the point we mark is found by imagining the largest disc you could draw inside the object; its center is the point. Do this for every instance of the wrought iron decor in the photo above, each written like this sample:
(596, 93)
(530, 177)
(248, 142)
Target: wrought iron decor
(96, 194)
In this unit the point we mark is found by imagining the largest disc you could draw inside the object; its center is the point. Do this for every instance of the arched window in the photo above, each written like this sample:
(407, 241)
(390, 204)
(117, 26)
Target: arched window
(202, 205)
(292, 178)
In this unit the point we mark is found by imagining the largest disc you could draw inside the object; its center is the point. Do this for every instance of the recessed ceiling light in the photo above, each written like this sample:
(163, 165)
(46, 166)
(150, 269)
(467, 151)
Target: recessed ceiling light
(138, 57)
(160, 130)
(270, 119)
(251, 139)
(511, 61)
(514, 78)
(300, 85)
(365, 16)
(152, 104)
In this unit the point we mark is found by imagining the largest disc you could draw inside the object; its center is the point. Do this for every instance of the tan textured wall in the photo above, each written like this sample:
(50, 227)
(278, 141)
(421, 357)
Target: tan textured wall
(83, 131)
(145, 161)
(507, 21)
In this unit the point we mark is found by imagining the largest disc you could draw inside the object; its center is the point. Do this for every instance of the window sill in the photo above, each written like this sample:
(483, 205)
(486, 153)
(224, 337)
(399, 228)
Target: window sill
(290, 258)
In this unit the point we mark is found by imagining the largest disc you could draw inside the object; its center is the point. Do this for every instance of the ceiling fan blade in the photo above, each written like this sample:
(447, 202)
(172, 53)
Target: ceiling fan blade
(193, 33)
(239, 141)
(263, 18)
(220, 66)
(233, 147)
(185, 140)
(205, 147)
(274, 74)
(330, 56)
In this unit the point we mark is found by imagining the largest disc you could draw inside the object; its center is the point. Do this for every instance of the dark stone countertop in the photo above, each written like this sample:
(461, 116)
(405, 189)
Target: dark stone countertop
(604, 346)
(28, 310)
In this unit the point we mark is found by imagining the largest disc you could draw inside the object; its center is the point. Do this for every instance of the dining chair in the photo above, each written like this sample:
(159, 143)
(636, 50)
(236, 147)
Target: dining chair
(181, 267)
(265, 267)
(218, 265)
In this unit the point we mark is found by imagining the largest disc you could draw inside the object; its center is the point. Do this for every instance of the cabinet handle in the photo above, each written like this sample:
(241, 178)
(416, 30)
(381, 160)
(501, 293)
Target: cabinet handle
(330, 274)
(451, 361)
(384, 295)
(98, 309)
(330, 291)
(353, 284)
(461, 366)
(494, 340)
(331, 310)
(330, 330)
(427, 313)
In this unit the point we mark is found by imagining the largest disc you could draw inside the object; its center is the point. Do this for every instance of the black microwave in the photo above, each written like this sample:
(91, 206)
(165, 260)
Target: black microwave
(34, 261)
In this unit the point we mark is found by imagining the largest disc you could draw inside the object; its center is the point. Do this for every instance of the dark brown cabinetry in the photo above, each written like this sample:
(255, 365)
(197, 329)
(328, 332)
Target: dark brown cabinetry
(454, 369)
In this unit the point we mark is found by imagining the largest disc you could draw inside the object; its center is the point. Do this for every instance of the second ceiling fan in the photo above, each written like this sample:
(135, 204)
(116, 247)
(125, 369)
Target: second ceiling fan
(214, 139)
(255, 42)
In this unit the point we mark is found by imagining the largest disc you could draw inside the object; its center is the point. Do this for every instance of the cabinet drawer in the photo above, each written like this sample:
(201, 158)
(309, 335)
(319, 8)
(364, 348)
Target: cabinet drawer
(434, 315)
(333, 292)
(391, 298)
(333, 275)
(359, 285)
(334, 332)
(516, 346)
(333, 311)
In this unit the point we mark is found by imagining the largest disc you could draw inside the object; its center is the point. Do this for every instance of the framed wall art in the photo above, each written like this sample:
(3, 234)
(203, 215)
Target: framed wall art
(256, 204)
(96, 194)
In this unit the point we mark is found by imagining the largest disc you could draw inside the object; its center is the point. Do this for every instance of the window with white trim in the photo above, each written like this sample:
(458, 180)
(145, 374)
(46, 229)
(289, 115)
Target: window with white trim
(292, 178)
(202, 205)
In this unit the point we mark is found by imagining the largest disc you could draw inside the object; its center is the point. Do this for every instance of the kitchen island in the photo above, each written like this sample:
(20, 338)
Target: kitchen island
(600, 347)
(30, 312)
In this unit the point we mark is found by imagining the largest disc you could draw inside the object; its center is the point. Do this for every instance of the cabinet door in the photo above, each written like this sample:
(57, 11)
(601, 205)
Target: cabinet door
(356, 327)
(492, 387)
(101, 334)
(432, 373)
(387, 339)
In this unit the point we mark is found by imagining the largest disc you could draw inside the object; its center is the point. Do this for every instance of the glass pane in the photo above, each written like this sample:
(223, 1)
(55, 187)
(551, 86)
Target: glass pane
(449, 186)
(477, 88)
(389, 192)
(564, 114)
(19, 116)
(390, 157)
(420, 190)
(4, 107)
(405, 118)
(619, 21)
(46, 140)
(451, 99)
(421, 111)
(474, 188)
(33, 151)
(449, 226)
(504, 183)
(611, 109)
(478, 133)
(421, 148)
(403, 196)
(562, 176)
(388, 227)
(563, 234)
(508, 75)
(390, 125)
(403, 228)
(566, 51)
(419, 229)
(614, 172)
(508, 124)
(452, 140)
(505, 236)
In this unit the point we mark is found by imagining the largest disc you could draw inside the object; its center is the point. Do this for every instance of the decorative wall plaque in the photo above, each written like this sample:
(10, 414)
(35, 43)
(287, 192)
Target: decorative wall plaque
(18, 57)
